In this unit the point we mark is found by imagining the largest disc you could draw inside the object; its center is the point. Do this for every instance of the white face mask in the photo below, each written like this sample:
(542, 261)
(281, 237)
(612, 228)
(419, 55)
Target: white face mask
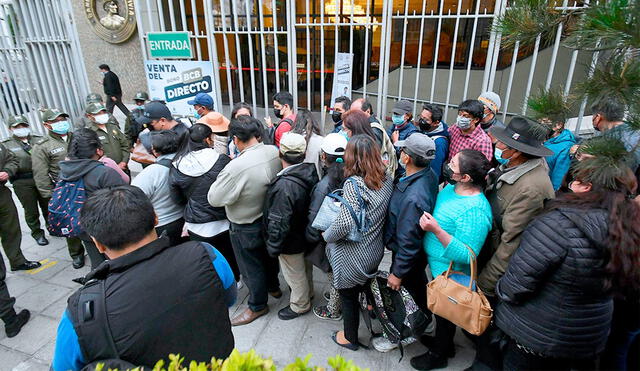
(102, 119)
(22, 132)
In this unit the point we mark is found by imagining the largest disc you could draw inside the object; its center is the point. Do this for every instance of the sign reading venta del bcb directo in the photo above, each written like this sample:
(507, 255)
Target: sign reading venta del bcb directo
(169, 45)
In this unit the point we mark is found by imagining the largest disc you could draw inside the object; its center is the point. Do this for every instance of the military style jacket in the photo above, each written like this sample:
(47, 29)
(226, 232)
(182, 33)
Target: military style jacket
(85, 122)
(114, 143)
(22, 151)
(45, 161)
(8, 162)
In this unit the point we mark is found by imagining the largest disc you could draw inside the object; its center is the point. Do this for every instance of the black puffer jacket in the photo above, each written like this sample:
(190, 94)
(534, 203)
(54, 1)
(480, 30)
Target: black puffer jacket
(191, 177)
(552, 296)
(286, 210)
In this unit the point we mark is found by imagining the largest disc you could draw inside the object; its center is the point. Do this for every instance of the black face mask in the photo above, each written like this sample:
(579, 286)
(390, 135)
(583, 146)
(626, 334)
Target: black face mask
(336, 117)
(424, 126)
(277, 113)
(447, 173)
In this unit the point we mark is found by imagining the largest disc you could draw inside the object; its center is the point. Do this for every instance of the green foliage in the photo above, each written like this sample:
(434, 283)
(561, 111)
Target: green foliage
(618, 77)
(607, 160)
(606, 25)
(524, 20)
(550, 104)
(249, 361)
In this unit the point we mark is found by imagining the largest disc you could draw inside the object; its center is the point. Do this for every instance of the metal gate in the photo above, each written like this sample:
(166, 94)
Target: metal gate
(438, 51)
(40, 60)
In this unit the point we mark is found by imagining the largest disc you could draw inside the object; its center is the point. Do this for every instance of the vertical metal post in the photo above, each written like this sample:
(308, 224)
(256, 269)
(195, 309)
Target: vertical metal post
(293, 53)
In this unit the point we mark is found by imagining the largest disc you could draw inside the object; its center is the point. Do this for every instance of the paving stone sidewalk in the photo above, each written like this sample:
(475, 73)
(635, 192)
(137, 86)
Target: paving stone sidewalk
(44, 291)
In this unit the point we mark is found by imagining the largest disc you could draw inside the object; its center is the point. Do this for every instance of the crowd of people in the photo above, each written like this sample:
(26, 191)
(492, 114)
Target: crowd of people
(222, 203)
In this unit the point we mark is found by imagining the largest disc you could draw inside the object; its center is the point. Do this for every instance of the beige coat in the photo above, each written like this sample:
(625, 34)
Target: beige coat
(516, 197)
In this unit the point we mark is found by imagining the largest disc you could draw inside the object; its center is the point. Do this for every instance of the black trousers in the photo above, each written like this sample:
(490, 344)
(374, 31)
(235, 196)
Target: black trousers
(173, 231)
(445, 332)
(118, 102)
(259, 270)
(351, 312)
(6, 301)
(516, 359)
(488, 354)
(415, 281)
(222, 242)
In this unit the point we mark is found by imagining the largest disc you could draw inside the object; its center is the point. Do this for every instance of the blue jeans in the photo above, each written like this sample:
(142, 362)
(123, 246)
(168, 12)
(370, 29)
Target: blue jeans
(258, 269)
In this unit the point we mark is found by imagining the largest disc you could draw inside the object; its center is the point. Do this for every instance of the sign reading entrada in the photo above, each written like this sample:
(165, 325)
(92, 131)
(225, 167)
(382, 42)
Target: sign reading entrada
(169, 45)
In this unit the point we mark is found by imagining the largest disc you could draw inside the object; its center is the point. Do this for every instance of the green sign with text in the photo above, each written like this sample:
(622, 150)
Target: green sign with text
(169, 45)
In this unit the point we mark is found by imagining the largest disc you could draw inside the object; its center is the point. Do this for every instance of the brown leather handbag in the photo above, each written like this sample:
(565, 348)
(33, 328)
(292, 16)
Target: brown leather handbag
(464, 306)
(140, 154)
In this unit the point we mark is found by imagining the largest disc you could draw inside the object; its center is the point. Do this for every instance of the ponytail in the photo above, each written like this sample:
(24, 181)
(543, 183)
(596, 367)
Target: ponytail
(84, 144)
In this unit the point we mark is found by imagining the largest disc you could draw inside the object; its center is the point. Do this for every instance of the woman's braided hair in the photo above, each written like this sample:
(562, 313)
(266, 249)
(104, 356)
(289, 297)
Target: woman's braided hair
(84, 144)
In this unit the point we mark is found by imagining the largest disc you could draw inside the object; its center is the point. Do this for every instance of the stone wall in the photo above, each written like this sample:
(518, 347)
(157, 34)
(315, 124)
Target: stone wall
(125, 59)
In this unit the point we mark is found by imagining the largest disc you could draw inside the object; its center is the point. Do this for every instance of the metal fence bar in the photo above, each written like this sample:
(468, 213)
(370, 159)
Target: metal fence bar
(534, 59)
(252, 74)
(437, 50)
(275, 42)
(183, 18)
(471, 47)
(415, 91)
(160, 15)
(381, 58)
(404, 45)
(365, 66)
(225, 43)
(583, 105)
(453, 59)
(213, 52)
(293, 54)
(152, 26)
(387, 52)
(510, 83)
(196, 29)
(309, 105)
(172, 16)
(237, 40)
(263, 57)
(493, 48)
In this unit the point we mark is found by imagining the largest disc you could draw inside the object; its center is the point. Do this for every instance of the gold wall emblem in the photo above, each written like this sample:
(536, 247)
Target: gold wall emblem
(113, 20)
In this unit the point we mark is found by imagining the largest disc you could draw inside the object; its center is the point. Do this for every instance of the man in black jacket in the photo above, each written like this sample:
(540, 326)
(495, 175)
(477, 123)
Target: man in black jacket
(285, 220)
(414, 194)
(112, 89)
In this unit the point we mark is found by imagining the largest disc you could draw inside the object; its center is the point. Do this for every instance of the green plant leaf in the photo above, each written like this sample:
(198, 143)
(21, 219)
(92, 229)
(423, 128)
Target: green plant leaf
(550, 104)
(618, 77)
(524, 20)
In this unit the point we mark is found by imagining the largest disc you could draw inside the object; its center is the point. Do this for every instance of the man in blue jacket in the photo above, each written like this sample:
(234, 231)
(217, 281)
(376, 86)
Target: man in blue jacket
(414, 194)
(430, 123)
(132, 308)
(560, 143)
(402, 117)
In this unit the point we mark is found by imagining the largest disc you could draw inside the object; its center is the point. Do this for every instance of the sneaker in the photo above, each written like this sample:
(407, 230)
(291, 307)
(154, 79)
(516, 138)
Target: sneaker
(383, 345)
(323, 312)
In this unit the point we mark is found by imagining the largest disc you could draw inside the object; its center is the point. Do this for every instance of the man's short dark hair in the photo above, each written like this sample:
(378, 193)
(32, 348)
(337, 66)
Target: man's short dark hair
(436, 112)
(366, 106)
(117, 217)
(292, 159)
(611, 108)
(473, 107)
(164, 142)
(104, 67)
(284, 97)
(245, 128)
(419, 161)
(345, 101)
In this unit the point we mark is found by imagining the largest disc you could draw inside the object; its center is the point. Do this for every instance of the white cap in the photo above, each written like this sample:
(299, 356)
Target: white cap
(491, 100)
(334, 144)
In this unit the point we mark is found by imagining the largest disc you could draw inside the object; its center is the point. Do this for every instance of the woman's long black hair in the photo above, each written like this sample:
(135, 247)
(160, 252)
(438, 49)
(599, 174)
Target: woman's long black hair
(195, 141)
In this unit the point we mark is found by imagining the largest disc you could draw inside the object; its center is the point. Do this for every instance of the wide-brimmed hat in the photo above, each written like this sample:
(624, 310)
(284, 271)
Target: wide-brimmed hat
(521, 134)
(216, 121)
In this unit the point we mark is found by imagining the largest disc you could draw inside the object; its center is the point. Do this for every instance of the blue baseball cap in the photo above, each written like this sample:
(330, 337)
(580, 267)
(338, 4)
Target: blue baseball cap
(202, 99)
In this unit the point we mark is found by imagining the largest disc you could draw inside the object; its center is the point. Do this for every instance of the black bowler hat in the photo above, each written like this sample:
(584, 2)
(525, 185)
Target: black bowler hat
(521, 134)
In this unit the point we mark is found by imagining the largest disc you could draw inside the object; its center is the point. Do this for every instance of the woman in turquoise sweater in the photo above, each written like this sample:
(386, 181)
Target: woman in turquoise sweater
(461, 218)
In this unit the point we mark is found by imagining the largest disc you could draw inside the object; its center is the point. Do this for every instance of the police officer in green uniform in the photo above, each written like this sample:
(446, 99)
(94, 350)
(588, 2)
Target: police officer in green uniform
(20, 143)
(131, 127)
(10, 233)
(114, 143)
(84, 121)
(46, 156)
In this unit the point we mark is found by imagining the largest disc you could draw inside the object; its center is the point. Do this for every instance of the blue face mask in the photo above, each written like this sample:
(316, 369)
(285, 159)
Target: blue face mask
(60, 127)
(344, 134)
(197, 115)
(397, 120)
(498, 155)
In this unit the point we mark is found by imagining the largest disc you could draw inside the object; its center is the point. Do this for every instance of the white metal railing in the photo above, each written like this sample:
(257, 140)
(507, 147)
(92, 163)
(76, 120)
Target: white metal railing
(255, 48)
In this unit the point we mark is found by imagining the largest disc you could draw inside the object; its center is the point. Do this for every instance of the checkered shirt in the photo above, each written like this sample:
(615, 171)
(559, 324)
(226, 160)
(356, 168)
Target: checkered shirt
(478, 140)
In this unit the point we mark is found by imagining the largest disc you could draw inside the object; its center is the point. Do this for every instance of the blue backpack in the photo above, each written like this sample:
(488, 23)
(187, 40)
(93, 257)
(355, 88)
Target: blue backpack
(64, 208)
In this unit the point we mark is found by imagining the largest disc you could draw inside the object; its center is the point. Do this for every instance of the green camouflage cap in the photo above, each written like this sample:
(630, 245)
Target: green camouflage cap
(93, 98)
(141, 95)
(94, 108)
(50, 114)
(17, 120)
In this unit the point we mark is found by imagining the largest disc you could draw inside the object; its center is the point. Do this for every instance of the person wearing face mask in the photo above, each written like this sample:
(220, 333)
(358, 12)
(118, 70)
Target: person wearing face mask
(85, 151)
(402, 122)
(202, 104)
(157, 116)
(517, 192)
(283, 110)
(560, 143)
(340, 106)
(413, 194)
(461, 219)
(84, 121)
(195, 167)
(21, 144)
(46, 155)
(556, 303)
(430, 123)
(491, 102)
(115, 144)
(467, 133)
(131, 127)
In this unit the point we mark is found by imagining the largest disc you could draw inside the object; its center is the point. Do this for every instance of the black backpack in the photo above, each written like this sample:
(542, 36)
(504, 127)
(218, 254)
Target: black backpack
(269, 136)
